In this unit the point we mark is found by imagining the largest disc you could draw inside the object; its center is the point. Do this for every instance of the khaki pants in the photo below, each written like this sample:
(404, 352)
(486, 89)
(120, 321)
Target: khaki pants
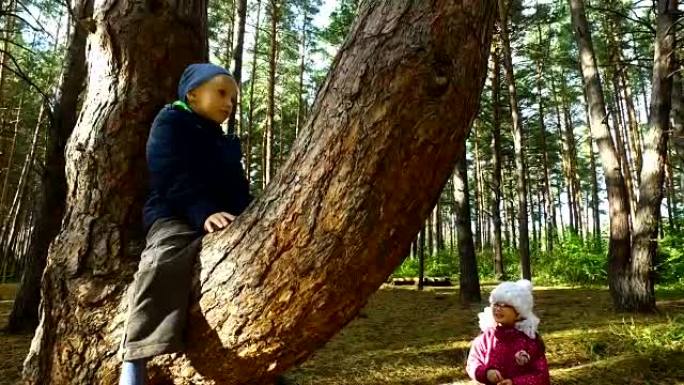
(158, 297)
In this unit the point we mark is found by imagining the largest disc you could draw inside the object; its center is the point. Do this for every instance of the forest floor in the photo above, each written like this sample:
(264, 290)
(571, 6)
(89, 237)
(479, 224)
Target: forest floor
(404, 336)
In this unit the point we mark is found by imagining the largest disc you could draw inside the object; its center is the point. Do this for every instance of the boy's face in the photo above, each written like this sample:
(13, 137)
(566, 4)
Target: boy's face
(215, 98)
(504, 314)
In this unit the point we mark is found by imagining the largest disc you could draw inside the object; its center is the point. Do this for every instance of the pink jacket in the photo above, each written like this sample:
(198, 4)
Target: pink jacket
(497, 348)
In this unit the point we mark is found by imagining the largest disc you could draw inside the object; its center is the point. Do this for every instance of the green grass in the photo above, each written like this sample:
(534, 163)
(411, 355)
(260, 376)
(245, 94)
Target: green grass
(408, 337)
(411, 337)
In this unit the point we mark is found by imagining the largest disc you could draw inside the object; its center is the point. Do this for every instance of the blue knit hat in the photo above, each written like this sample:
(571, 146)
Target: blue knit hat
(196, 74)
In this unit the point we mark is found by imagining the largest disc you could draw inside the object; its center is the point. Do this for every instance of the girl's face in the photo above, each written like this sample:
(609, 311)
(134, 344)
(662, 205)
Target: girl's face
(214, 99)
(504, 314)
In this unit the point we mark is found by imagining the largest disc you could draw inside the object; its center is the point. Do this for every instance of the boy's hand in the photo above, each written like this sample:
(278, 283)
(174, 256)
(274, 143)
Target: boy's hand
(494, 376)
(218, 221)
(505, 382)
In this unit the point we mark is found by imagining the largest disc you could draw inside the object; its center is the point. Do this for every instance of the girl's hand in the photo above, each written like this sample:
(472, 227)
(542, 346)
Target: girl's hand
(494, 376)
(218, 221)
(505, 382)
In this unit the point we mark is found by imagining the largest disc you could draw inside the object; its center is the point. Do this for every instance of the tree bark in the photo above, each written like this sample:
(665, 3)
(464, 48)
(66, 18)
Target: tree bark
(326, 211)
(469, 281)
(237, 65)
(619, 244)
(521, 168)
(496, 163)
(645, 244)
(52, 201)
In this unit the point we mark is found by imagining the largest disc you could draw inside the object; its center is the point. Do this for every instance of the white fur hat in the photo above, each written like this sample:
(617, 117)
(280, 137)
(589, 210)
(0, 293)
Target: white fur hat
(519, 295)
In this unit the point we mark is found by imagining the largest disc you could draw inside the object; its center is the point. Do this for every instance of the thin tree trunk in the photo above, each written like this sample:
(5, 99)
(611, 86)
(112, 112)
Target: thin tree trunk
(52, 201)
(10, 161)
(576, 188)
(10, 223)
(513, 215)
(642, 81)
(429, 233)
(521, 169)
(624, 159)
(421, 259)
(619, 244)
(546, 193)
(533, 218)
(300, 101)
(496, 163)
(677, 138)
(281, 140)
(672, 196)
(230, 35)
(250, 128)
(641, 288)
(594, 192)
(479, 191)
(272, 65)
(560, 217)
(561, 124)
(469, 281)
(439, 228)
(237, 65)
(7, 37)
(630, 127)
(635, 138)
(247, 324)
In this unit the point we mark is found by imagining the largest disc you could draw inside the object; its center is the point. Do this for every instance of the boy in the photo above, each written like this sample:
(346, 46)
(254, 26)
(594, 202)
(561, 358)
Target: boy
(196, 184)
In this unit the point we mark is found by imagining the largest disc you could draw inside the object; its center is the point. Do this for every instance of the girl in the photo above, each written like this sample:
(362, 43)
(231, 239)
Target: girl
(509, 351)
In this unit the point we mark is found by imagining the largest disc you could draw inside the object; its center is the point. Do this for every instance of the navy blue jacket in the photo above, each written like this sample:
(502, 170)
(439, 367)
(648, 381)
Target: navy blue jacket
(195, 170)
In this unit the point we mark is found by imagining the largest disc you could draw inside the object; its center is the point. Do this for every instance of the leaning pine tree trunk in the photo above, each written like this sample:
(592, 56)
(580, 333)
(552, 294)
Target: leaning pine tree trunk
(647, 219)
(267, 290)
(619, 244)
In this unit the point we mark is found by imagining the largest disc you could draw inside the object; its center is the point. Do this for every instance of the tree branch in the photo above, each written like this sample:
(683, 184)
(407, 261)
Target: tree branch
(42, 29)
(22, 75)
(636, 20)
